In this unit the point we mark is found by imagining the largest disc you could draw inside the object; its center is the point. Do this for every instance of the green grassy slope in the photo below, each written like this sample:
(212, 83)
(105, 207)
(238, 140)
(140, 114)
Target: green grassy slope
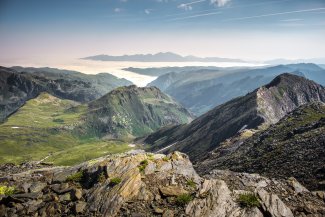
(129, 112)
(44, 126)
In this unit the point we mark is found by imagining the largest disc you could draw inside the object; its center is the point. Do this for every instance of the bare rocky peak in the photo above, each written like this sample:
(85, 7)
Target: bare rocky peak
(286, 93)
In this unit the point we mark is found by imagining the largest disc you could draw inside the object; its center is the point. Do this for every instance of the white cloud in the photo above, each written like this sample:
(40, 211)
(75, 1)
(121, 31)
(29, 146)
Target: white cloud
(220, 3)
(185, 7)
(188, 6)
(148, 11)
(117, 10)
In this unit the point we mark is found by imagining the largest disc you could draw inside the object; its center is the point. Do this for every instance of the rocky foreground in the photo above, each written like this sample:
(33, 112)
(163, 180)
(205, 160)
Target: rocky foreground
(143, 184)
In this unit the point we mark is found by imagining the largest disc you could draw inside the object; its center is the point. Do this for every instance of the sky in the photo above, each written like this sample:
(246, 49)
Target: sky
(61, 30)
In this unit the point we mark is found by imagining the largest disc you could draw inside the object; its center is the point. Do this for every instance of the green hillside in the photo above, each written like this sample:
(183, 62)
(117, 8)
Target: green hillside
(66, 132)
(44, 126)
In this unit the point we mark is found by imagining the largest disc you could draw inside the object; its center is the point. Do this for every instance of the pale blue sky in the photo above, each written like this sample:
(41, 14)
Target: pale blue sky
(250, 29)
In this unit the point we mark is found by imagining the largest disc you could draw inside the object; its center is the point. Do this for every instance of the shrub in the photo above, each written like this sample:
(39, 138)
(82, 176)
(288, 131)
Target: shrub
(165, 158)
(58, 120)
(248, 200)
(101, 177)
(150, 156)
(76, 177)
(7, 190)
(191, 183)
(114, 181)
(183, 199)
(143, 165)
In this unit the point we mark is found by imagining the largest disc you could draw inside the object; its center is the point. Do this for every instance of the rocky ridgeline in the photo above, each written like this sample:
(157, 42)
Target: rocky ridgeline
(256, 110)
(142, 184)
(295, 146)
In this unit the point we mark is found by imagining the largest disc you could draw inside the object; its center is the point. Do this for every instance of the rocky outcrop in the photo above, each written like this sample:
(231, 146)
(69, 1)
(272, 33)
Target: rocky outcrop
(295, 146)
(144, 184)
(258, 109)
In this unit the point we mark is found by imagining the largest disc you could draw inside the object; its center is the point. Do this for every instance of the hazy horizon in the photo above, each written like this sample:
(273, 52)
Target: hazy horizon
(48, 31)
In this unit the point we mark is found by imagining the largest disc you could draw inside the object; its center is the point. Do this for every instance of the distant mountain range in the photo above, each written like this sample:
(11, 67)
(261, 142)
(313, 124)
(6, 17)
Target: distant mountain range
(159, 57)
(200, 89)
(286, 61)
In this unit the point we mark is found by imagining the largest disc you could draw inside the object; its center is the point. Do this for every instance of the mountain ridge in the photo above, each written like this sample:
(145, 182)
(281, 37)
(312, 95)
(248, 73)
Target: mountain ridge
(19, 84)
(202, 89)
(159, 57)
(258, 109)
(68, 132)
(296, 141)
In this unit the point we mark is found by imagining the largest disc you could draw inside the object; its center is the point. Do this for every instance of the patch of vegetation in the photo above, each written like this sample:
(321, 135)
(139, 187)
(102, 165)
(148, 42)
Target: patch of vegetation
(87, 150)
(248, 200)
(115, 181)
(151, 157)
(143, 165)
(76, 177)
(101, 177)
(165, 158)
(183, 199)
(7, 190)
(58, 120)
(191, 183)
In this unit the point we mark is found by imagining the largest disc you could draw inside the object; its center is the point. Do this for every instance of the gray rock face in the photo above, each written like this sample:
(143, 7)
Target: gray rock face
(119, 185)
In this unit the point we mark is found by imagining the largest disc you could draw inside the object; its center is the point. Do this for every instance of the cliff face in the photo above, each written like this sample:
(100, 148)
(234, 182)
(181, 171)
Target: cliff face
(143, 184)
(258, 109)
(284, 94)
(295, 146)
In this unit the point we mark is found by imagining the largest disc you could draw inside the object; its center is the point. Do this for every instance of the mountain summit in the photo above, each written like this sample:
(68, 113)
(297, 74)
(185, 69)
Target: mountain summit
(258, 109)
(133, 111)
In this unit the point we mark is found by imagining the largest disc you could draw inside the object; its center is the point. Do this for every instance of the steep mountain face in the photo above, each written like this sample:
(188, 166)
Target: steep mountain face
(15, 89)
(20, 84)
(131, 112)
(295, 146)
(140, 184)
(202, 89)
(258, 109)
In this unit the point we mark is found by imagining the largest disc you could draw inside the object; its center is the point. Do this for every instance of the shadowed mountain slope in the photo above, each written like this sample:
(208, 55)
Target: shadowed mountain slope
(295, 146)
(258, 109)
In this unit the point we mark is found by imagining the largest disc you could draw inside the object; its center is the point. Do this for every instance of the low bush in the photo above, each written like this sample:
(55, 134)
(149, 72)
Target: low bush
(7, 190)
(76, 177)
(58, 120)
(183, 199)
(115, 181)
(143, 165)
(101, 177)
(248, 200)
(191, 183)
